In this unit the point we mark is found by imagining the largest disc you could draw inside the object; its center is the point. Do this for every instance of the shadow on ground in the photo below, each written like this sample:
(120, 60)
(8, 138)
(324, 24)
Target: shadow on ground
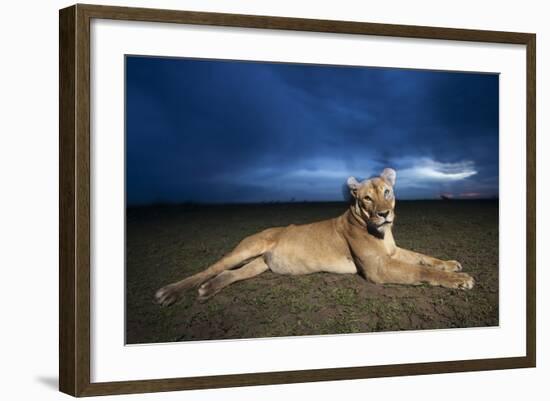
(49, 381)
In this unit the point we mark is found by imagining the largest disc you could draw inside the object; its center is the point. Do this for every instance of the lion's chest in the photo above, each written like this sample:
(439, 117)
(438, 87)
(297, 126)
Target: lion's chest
(389, 243)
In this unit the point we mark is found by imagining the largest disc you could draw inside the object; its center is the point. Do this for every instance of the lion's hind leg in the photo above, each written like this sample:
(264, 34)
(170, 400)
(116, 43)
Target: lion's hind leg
(248, 249)
(227, 277)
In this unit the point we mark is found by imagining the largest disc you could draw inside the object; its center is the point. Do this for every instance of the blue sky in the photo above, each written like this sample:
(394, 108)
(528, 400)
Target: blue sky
(231, 131)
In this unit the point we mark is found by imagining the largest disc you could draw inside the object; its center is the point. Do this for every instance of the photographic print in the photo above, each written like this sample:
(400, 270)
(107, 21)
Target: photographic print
(275, 199)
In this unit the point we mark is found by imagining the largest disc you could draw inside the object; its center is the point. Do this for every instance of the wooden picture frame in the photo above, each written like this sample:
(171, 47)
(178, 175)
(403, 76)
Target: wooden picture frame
(74, 205)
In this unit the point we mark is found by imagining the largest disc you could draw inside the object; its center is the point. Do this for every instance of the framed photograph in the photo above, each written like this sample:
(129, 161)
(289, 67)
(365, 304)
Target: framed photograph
(250, 200)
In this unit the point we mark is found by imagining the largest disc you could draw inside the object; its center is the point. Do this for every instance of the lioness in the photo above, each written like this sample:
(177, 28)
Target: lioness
(359, 241)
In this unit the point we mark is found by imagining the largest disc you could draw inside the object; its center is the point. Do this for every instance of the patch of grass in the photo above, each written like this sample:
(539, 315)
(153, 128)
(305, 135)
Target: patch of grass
(343, 296)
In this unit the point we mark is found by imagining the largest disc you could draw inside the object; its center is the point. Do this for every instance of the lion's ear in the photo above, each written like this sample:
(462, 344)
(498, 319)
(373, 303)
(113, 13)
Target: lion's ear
(389, 175)
(353, 185)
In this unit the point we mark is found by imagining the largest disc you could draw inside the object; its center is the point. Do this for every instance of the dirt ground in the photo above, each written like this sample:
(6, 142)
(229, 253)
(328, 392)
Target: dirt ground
(168, 243)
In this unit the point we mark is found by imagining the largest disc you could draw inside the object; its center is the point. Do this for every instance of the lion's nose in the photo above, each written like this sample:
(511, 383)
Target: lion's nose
(384, 214)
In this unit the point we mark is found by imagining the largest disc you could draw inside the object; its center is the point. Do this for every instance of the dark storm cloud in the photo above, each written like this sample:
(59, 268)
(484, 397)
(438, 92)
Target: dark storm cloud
(213, 131)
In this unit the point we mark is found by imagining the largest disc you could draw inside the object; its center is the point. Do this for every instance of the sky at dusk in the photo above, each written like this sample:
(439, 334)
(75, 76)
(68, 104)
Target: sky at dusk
(230, 131)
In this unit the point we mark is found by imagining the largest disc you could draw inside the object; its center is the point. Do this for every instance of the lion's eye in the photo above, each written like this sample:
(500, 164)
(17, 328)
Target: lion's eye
(368, 198)
(387, 193)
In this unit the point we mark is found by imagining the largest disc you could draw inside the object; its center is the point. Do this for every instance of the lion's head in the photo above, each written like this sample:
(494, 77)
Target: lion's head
(374, 201)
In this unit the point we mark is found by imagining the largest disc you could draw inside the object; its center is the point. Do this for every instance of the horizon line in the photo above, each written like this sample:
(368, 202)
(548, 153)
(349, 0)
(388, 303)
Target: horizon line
(289, 202)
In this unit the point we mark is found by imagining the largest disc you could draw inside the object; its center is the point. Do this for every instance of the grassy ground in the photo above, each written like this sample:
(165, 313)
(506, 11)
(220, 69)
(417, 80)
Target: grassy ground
(168, 243)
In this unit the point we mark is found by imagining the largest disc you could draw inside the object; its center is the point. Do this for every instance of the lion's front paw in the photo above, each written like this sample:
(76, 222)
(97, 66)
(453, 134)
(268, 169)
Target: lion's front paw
(452, 266)
(461, 281)
(167, 295)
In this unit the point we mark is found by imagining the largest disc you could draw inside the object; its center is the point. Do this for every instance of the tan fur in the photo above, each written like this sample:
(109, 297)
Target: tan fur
(358, 241)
